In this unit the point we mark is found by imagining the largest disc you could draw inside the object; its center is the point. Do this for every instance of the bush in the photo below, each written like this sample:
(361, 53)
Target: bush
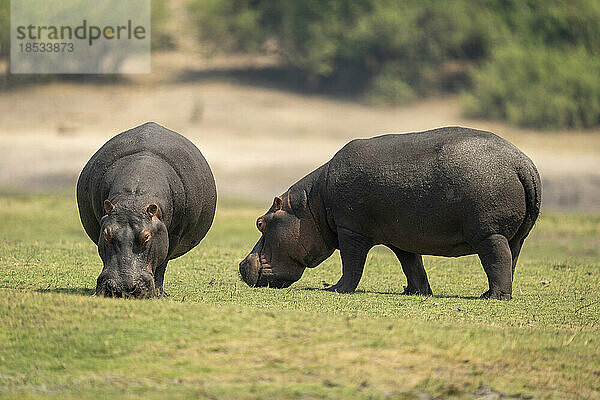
(323, 39)
(385, 89)
(538, 87)
(554, 23)
(529, 61)
(160, 14)
(227, 26)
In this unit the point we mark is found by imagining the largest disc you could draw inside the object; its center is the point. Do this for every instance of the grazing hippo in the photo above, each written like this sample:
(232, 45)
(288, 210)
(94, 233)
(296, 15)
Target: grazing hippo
(146, 197)
(446, 192)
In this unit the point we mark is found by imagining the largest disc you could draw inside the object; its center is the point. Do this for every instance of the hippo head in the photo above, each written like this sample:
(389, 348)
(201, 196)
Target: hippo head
(132, 244)
(290, 242)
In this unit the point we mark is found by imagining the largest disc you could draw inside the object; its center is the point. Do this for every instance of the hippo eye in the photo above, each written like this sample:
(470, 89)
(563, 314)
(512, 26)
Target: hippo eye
(260, 224)
(107, 237)
(145, 236)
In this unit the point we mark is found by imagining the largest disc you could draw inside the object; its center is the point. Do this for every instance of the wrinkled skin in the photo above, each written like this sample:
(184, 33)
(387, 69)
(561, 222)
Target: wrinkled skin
(284, 250)
(132, 245)
(291, 241)
(146, 197)
(447, 192)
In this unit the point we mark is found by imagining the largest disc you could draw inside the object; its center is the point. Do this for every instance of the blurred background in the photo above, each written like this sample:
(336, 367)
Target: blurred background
(270, 90)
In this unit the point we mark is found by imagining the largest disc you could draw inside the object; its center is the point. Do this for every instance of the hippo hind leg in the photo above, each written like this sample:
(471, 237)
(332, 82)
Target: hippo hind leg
(497, 260)
(416, 277)
(515, 249)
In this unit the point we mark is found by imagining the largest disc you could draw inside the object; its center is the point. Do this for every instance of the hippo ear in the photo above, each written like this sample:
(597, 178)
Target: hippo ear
(153, 210)
(277, 204)
(108, 206)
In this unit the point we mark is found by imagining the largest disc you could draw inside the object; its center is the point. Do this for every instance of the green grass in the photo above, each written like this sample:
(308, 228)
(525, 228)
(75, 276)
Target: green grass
(217, 338)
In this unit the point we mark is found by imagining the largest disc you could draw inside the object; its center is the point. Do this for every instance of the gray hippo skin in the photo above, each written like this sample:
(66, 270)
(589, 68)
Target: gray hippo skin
(446, 192)
(146, 197)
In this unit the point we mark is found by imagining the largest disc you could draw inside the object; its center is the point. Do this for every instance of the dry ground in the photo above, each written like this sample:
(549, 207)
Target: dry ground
(258, 138)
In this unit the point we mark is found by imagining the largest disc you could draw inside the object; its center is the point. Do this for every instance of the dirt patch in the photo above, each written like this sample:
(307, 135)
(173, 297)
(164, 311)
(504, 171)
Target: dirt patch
(258, 140)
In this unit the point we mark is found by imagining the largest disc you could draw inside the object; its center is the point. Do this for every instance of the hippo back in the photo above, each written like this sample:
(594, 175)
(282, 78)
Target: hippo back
(435, 192)
(192, 193)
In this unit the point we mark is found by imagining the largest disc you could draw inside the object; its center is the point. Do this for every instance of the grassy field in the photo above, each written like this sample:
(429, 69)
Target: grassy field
(217, 338)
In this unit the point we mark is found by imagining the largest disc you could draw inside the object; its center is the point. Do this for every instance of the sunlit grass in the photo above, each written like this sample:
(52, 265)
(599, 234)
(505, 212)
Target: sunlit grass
(215, 337)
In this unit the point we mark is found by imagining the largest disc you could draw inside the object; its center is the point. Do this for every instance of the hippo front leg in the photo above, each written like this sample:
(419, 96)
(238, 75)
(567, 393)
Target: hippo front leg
(159, 277)
(354, 248)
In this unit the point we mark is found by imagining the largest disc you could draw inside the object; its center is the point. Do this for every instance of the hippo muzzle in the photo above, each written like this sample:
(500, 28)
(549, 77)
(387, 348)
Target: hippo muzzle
(250, 269)
(259, 271)
(139, 285)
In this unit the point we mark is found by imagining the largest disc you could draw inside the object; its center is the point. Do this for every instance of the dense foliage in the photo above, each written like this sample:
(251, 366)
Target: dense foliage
(393, 50)
(160, 14)
(538, 87)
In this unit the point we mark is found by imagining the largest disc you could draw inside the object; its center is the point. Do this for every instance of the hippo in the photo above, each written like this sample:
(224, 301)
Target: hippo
(146, 197)
(450, 192)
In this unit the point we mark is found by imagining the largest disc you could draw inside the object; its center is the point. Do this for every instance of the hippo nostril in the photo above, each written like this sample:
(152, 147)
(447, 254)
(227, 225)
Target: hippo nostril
(249, 269)
(111, 285)
(245, 267)
(143, 288)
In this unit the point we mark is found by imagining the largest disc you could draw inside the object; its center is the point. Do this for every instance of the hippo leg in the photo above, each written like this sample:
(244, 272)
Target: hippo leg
(515, 249)
(497, 260)
(412, 265)
(159, 277)
(353, 249)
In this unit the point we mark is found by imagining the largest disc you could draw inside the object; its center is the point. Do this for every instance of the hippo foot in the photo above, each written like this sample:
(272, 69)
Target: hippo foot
(419, 292)
(160, 293)
(492, 294)
(341, 288)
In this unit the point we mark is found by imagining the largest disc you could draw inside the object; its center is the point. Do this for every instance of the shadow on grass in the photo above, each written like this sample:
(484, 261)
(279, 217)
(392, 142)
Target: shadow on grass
(75, 291)
(342, 85)
(456, 297)
(398, 294)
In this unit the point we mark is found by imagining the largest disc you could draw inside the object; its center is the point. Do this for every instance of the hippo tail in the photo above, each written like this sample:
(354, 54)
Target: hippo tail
(530, 179)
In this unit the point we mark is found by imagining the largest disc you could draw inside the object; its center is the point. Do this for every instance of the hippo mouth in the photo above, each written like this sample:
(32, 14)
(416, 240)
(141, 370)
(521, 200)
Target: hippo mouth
(267, 278)
(259, 269)
(141, 290)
